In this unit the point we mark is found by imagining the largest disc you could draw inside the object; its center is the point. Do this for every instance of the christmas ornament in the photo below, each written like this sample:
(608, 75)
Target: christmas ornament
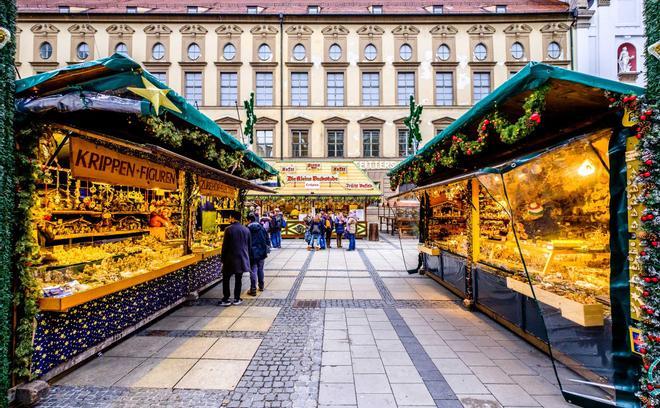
(157, 97)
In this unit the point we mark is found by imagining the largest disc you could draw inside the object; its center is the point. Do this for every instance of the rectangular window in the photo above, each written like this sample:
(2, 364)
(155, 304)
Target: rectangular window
(500, 9)
(377, 9)
(444, 88)
(161, 76)
(265, 142)
(299, 143)
(313, 9)
(480, 85)
(131, 9)
(371, 143)
(335, 143)
(264, 96)
(299, 88)
(335, 89)
(370, 88)
(193, 90)
(228, 88)
(437, 9)
(405, 149)
(193, 9)
(252, 10)
(405, 85)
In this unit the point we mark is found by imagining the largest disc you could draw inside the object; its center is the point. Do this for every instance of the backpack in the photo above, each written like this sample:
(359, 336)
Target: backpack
(278, 221)
(316, 228)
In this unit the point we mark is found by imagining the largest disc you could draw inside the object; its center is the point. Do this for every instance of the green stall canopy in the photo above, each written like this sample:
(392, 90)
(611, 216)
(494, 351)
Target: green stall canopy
(571, 93)
(119, 72)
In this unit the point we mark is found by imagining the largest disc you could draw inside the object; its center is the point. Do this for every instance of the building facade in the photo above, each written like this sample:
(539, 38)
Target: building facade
(329, 83)
(610, 39)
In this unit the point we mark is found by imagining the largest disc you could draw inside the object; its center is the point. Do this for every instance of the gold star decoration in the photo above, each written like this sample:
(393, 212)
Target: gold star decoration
(155, 95)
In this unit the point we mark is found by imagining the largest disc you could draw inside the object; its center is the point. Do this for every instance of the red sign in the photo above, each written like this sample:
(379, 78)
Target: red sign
(308, 177)
(313, 166)
(340, 169)
(288, 169)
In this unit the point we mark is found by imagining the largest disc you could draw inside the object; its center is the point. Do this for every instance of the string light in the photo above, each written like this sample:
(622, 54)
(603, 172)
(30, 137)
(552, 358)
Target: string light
(586, 168)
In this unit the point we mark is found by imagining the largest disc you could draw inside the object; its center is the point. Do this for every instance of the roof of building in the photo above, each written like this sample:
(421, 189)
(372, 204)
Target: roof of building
(323, 178)
(275, 7)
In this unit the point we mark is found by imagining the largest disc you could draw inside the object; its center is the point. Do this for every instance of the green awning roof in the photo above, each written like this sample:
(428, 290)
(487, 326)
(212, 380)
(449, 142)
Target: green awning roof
(116, 72)
(532, 76)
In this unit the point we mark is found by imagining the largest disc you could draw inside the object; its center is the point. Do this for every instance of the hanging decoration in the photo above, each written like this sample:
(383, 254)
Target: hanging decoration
(647, 283)
(493, 128)
(412, 123)
(157, 97)
(251, 119)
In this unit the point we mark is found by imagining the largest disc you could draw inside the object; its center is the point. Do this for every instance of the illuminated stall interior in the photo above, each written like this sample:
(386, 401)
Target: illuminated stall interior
(306, 189)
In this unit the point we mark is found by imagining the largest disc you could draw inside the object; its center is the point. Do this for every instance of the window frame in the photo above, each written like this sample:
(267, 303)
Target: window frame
(378, 88)
(224, 51)
(299, 133)
(257, 74)
(153, 51)
(258, 145)
(474, 86)
(87, 51)
(408, 150)
(293, 94)
(335, 103)
(364, 52)
(522, 50)
(190, 56)
(435, 87)
(474, 52)
(201, 88)
(408, 48)
(221, 98)
(50, 52)
(270, 52)
(371, 131)
(335, 143)
(399, 101)
(304, 52)
(559, 50)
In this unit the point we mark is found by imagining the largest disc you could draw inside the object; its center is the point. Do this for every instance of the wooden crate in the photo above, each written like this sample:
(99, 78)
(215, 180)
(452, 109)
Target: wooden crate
(588, 315)
(428, 250)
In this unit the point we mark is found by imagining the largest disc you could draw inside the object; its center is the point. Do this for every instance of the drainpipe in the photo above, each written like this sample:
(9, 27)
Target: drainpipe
(281, 86)
(573, 28)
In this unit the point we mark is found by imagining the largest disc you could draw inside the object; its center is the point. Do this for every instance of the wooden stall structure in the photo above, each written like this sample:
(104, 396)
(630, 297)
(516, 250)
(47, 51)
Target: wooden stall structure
(525, 214)
(306, 188)
(114, 234)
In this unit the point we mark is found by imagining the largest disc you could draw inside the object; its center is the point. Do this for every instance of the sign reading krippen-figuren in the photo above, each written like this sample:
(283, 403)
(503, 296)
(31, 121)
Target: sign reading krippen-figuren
(96, 163)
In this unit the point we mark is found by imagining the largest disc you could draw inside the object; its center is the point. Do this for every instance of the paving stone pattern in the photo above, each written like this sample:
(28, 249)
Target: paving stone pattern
(332, 329)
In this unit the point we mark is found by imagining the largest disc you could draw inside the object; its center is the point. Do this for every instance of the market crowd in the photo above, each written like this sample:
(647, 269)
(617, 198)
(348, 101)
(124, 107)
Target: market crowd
(245, 248)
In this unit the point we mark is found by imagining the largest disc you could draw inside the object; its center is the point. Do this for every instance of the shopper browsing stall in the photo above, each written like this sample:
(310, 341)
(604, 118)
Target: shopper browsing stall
(259, 248)
(235, 260)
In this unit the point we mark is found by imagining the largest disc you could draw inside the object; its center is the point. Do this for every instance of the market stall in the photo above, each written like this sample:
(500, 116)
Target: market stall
(525, 216)
(120, 217)
(307, 188)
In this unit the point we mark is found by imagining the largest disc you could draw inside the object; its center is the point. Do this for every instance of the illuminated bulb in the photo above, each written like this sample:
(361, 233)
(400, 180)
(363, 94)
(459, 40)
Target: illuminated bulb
(586, 168)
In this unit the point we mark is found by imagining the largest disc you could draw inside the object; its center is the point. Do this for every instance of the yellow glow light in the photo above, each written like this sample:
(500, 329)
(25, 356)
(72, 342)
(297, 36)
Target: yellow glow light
(586, 168)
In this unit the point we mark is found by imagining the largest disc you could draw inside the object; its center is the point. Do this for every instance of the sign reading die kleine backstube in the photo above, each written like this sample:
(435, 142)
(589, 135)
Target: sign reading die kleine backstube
(96, 163)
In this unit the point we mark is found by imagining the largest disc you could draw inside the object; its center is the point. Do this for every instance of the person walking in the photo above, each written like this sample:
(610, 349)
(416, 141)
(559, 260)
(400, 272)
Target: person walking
(276, 226)
(315, 229)
(340, 223)
(329, 227)
(235, 258)
(351, 229)
(258, 254)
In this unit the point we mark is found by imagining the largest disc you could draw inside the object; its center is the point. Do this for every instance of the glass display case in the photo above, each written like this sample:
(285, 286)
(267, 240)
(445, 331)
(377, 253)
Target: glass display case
(447, 227)
(559, 204)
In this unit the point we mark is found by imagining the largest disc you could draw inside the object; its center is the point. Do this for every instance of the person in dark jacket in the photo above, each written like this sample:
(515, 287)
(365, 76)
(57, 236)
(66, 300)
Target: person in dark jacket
(316, 230)
(340, 223)
(258, 254)
(235, 259)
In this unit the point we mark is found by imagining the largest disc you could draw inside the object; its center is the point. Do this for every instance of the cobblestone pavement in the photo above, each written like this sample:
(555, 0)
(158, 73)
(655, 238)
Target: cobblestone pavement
(331, 329)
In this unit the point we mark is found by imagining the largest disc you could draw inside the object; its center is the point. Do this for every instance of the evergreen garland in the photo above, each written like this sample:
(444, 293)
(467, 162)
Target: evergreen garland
(461, 145)
(211, 152)
(26, 251)
(7, 191)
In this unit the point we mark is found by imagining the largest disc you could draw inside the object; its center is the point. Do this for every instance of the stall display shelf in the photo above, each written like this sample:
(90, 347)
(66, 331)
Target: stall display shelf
(64, 303)
(587, 315)
(433, 251)
(99, 234)
(96, 213)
